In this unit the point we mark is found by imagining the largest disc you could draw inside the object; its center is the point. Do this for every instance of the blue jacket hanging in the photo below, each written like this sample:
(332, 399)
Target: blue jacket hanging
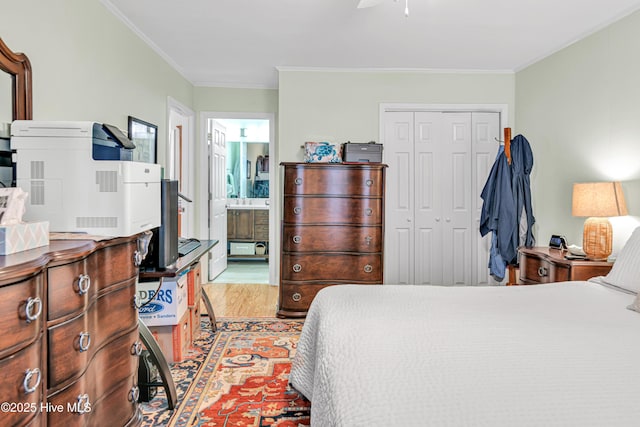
(505, 195)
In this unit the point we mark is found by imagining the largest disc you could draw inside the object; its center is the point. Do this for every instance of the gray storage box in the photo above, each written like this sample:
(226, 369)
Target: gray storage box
(362, 153)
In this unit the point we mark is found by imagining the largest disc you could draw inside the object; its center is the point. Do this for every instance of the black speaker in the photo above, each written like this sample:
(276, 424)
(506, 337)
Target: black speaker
(163, 248)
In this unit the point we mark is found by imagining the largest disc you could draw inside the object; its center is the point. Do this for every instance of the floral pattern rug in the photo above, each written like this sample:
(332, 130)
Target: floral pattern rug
(237, 376)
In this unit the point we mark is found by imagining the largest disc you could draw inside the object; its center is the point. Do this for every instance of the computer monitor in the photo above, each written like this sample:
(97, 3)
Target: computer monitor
(163, 248)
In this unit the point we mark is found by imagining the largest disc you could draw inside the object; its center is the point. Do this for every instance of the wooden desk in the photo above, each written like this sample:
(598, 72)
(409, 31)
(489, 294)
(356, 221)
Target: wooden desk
(181, 265)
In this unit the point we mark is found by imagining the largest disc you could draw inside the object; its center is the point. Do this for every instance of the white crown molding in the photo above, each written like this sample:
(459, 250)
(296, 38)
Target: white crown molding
(391, 70)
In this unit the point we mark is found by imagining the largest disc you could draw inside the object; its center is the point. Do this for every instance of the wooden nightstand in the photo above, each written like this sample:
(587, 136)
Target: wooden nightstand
(544, 265)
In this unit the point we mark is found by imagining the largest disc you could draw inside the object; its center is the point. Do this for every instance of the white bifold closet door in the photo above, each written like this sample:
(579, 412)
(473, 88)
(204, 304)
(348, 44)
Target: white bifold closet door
(438, 165)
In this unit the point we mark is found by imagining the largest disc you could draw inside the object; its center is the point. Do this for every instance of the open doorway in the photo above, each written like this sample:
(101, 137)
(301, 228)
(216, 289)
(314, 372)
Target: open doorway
(240, 216)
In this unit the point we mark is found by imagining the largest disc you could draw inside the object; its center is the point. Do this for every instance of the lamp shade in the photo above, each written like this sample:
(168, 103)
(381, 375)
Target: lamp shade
(598, 199)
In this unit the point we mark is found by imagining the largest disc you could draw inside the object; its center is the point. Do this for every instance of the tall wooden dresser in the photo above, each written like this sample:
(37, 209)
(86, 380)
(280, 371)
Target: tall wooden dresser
(332, 230)
(70, 343)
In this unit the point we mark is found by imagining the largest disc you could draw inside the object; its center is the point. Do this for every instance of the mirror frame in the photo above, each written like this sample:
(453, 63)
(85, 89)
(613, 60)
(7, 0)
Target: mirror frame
(19, 67)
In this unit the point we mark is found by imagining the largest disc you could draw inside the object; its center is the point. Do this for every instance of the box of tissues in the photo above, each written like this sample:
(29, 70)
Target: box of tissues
(23, 236)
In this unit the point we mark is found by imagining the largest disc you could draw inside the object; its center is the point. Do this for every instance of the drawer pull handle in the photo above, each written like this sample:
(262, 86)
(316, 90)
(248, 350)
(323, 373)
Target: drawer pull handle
(542, 271)
(368, 212)
(297, 210)
(33, 309)
(297, 268)
(137, 258)
(84, 341)
(368, 268)
(296, 297)
(368, 240)
(136, 348)
(84, 283)
(134, 394)
(84, 404)
(29, 378)
(298, 181)
(297, 239)
(369, 182)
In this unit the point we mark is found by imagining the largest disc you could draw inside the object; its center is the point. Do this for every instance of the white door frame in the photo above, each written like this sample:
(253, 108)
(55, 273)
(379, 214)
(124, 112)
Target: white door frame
(179, 114)
(204, 167)
(502, 109)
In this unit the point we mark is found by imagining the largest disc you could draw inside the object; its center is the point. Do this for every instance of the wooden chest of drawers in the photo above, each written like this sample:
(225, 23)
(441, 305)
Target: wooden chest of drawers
(332, 230)
(70, 333)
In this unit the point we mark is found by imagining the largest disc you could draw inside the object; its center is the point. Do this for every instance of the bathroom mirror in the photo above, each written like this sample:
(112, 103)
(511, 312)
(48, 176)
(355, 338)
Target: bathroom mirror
(247, 158)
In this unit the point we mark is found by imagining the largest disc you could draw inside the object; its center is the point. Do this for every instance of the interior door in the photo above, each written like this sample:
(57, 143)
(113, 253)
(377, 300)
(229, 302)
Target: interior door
(485, 131)
(399, 227)
(456, 202)
(217, 145)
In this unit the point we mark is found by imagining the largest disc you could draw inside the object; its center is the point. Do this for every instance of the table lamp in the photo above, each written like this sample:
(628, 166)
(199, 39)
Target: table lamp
(598, 201)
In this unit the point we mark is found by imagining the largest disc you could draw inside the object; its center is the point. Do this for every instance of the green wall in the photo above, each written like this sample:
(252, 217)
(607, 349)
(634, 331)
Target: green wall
(87, 65)
(579, 109)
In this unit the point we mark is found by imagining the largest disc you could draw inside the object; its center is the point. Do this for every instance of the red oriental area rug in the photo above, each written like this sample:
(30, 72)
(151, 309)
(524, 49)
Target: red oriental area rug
(236, 377)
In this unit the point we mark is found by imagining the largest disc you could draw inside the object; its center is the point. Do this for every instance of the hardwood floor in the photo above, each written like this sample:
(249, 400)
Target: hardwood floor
(242, 300)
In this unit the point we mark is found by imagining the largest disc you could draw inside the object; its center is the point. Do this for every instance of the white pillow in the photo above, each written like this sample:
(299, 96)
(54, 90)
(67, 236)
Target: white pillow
(625, 272)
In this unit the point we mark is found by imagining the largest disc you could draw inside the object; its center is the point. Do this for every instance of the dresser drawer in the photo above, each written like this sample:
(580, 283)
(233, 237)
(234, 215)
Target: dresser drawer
(297, 297)
(534, 270)
(72, 344)
(331, 238)
(111, 366)
(21, 313)
(70, 288)
(19, 370)
(338, 210)
(261, 232)
(73, 286)
(333, 267)
(338, 180)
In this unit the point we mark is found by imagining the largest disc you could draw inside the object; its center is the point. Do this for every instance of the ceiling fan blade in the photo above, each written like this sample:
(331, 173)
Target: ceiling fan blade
(368, 3)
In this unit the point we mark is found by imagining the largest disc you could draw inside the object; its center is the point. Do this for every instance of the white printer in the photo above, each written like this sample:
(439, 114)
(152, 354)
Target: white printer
(80, 178)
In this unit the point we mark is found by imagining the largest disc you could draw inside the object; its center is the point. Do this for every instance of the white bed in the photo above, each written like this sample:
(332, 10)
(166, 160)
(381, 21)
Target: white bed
(561, 354)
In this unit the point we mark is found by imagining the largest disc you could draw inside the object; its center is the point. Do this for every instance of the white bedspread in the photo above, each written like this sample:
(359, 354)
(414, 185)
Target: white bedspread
(562, 354)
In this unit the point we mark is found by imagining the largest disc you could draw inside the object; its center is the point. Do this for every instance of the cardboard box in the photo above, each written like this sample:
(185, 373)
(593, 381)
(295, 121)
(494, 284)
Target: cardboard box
(242, 248)
(195, 314)
(166, 305)
(23, 236)
(194, 285)
(174, 340)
